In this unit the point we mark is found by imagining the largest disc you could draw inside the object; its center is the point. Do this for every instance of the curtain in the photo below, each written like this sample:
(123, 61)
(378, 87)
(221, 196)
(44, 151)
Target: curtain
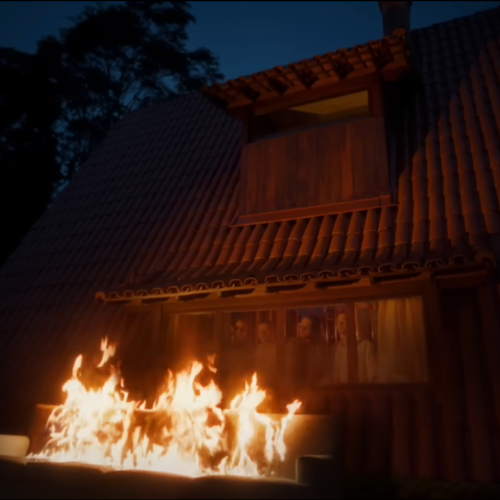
(401, 345)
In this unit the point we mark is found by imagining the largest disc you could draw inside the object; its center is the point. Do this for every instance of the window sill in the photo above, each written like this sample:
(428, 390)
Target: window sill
(317, 211)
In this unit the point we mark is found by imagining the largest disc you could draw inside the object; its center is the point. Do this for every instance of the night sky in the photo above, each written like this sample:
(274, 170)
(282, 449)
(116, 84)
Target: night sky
(247, 36)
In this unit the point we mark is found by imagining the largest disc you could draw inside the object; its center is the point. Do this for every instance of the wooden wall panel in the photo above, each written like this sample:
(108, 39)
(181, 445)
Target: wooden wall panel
(476, 387)
(447, 361)
(490, 316)
(447, 429)
(317, 167)
(378, 443)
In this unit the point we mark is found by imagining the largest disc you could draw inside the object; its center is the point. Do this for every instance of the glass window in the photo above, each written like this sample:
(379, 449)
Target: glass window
(266, 349)
(309, 333)
(376, 342)
(249, 346)
(361, 342)
(308, 116)
(391, 341)
(339, 347)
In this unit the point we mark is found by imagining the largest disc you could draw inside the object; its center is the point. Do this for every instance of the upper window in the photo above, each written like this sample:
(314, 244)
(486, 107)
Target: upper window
(307, 116)
(315, 158)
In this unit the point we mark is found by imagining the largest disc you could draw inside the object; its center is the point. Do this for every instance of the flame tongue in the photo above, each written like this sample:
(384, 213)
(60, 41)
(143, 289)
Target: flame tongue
(108, 351)
(185, 433)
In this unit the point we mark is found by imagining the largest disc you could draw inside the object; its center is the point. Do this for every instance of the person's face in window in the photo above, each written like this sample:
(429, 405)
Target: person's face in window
(304, 330)
(239, 332)
(265, 333)
(341, 325)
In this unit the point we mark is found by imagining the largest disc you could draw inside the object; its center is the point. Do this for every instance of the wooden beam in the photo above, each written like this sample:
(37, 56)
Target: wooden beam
(352, 344)
(316, 211)
(450, 276)
(307, 96)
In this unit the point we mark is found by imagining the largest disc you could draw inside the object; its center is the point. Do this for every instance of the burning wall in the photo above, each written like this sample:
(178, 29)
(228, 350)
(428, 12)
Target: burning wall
(185, 432)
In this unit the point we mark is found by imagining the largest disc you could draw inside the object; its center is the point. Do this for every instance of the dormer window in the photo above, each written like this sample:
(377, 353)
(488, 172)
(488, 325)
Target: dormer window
(315, 153)
(314, 135)
(308, 116)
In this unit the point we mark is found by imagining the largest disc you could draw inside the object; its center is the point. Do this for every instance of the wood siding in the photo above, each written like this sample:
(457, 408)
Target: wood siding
(447, 429)
(323, 166)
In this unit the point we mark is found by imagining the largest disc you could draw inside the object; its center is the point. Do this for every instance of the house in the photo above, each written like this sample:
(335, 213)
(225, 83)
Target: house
(334, 222)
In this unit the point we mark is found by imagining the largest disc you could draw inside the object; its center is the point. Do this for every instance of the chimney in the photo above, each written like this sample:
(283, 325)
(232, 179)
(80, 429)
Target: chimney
(395, 15)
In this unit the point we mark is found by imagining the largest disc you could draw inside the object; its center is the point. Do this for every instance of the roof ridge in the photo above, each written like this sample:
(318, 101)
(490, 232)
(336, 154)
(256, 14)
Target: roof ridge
(455, 19)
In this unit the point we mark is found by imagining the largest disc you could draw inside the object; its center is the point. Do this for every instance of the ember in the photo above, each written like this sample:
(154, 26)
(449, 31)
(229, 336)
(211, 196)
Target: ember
(186, 432)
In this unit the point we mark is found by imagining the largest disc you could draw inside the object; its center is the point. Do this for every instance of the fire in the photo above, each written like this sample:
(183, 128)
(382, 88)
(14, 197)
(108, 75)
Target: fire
(186, 432)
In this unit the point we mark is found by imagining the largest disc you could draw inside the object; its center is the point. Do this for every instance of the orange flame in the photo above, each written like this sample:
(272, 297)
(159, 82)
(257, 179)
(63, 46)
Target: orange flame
(185, 433)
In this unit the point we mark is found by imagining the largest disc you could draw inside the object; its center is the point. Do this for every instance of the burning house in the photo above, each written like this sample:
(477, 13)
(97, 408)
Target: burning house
(332, 226)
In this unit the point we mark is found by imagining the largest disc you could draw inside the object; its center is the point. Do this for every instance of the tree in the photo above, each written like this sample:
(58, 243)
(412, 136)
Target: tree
(56, 106)
(29, 169)
(118, 57)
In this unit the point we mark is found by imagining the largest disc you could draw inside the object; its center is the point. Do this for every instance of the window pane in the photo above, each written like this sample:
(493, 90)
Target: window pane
(391, 341)
(195, 337)
(249, 346)
(266, 349)
(309, 116)
(307, 350)
(339, 350)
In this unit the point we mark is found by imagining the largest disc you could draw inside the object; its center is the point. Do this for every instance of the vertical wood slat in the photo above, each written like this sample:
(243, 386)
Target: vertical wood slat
(476, 408)
(380, 433)
(450, 391)
(244, 186)
(425, 449)
(330, 178)
(402, 432)
(316, 167)
(306, 181)
(489, 306)
(356, 427)
(369, 177)
(338, 408)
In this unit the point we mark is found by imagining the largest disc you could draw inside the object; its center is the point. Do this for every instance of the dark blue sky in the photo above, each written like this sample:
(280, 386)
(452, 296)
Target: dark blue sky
(247, 36)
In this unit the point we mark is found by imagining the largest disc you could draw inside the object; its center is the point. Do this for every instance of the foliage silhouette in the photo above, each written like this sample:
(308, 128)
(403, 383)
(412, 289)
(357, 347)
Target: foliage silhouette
(57, 105)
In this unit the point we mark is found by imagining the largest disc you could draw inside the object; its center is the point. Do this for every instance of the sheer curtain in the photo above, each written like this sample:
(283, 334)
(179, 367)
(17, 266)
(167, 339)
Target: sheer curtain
(402, 356)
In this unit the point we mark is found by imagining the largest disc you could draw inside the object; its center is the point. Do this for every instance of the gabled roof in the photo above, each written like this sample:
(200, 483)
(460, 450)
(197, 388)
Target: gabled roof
(157, 198)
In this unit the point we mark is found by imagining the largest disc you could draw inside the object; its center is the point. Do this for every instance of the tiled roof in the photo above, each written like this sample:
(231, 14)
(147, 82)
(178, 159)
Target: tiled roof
(448, 191)
(158, 196)
(380, 55)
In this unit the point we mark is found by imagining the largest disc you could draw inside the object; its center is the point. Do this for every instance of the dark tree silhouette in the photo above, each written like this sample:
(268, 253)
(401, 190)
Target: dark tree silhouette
(118, 57)
(57, 105)
(29, 168)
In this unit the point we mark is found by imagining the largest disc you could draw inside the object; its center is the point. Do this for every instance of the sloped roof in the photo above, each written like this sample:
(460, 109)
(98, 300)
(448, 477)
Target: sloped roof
(157, 198)
(448, 204)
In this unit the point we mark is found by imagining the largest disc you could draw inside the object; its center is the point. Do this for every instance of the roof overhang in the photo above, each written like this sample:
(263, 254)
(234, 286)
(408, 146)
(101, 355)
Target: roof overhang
(388, 56)
(452, 275)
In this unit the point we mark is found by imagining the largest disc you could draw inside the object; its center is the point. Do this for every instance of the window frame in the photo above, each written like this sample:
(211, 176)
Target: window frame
(298, 130)
(372, 83)
(422, 285)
